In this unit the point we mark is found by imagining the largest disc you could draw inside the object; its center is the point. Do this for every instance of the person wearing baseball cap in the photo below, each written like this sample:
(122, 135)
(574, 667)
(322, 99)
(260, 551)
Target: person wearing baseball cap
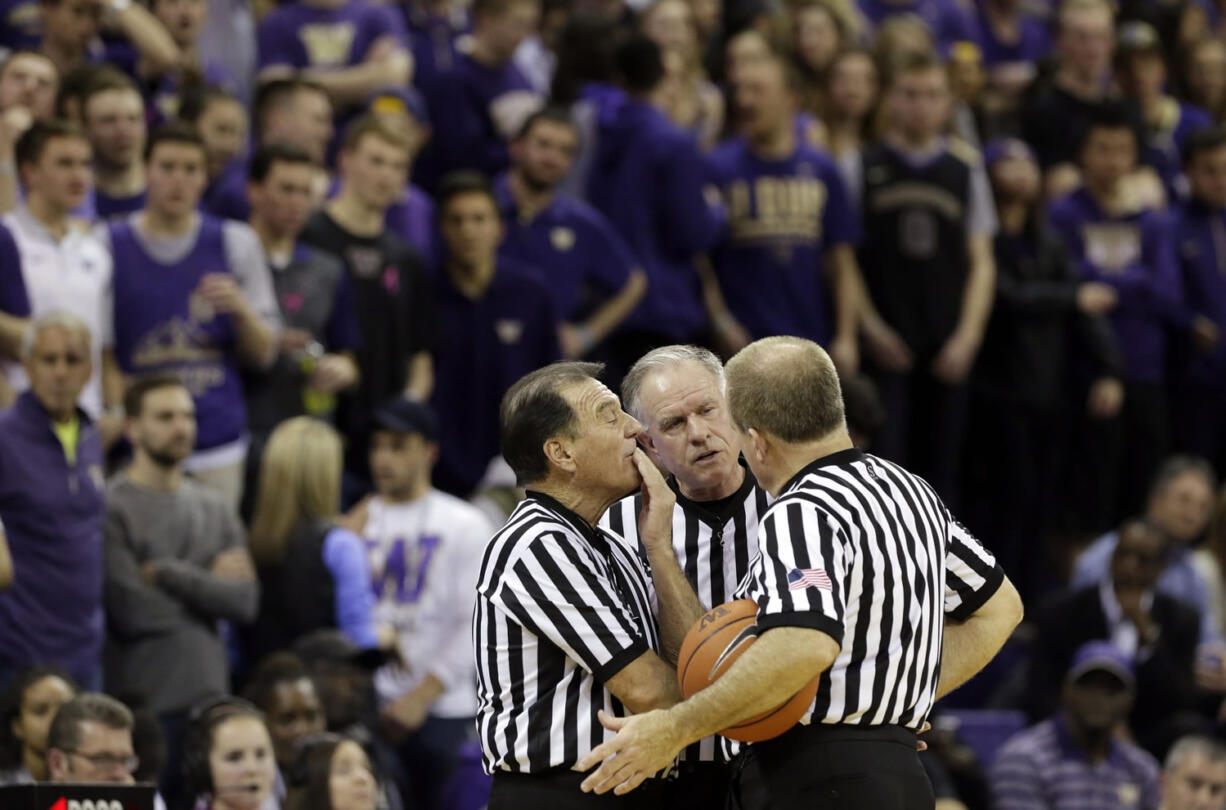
(1140, 69)
(1077, 759)
(424, 548)
(1042, 318)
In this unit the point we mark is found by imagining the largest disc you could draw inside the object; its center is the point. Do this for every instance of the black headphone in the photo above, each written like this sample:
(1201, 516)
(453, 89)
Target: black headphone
(203, 718)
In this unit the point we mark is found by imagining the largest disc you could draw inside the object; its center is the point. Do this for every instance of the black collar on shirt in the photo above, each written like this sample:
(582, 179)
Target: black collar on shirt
(847, 456)
(590, 533)
(702, 509)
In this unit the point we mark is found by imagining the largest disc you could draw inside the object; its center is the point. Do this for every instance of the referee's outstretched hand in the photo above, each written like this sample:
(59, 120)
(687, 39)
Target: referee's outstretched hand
(645, 745)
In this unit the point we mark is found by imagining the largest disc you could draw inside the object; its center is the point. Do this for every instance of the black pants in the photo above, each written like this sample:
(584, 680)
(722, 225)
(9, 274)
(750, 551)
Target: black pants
(698, 786)
(832, 768)
(559, 790)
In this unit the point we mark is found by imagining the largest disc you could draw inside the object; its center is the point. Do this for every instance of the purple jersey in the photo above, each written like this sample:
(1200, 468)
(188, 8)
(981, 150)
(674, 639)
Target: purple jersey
(163, 325)
(782, 216)
(13, 298)
(1135, 254)
(1031, 46)
(573, 246)
(108, 207)
(301, 36)
(1164, 142)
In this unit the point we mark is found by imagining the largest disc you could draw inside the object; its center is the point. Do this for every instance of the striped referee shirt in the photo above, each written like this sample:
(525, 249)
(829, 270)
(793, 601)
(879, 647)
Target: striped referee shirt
(561, 608)
(715, 550)
(866, 552)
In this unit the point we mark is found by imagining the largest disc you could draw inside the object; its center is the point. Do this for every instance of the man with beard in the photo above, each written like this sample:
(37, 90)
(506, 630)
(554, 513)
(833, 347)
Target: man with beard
(594, 279)
(176, 564)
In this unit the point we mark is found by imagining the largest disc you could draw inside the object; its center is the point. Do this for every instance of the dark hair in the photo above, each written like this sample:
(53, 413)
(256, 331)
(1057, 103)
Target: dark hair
(272, 670)
(552, 114)
(377, 125)
(534, 411)
(87, 707)
(196, 99)
(11, 700)
(585, 53)
(73, 85)
(149, 745)
(134, 397)
(175, 131)
(913, 62)
(276, 93)
(639, 64)
(462, 182)
(269, 155)
(1201, 141)
(33, 142)
(106, 80)
(1110, 115)
(862, 404)
(308, 779)
(202, 721)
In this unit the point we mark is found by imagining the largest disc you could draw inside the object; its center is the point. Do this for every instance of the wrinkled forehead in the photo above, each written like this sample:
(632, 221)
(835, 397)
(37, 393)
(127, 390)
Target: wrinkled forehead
(590, 395)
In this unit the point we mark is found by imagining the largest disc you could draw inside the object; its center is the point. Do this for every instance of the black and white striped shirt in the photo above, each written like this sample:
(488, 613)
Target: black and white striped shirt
(716, 546)
(561, 608)
(866, 552)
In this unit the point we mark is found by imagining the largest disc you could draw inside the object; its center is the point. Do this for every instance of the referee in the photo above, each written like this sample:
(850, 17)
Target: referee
(677, 393)
(864, 577)
(564, 627)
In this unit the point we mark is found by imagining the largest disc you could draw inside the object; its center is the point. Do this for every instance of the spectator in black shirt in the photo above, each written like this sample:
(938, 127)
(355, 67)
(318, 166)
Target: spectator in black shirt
(1023, 386)
(391, 295)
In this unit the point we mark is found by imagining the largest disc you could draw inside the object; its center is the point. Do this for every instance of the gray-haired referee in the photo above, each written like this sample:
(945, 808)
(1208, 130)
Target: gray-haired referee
(564, 626)
(864, 577)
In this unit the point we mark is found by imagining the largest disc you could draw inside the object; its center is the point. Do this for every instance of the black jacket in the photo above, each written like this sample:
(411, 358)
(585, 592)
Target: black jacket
(1165, 680)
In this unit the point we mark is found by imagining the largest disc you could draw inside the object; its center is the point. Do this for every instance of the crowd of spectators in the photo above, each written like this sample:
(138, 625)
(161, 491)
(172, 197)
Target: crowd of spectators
(267, 270)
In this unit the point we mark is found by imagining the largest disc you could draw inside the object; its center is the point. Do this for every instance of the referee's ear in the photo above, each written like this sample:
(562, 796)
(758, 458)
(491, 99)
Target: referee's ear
(558, 454)
(755, 445)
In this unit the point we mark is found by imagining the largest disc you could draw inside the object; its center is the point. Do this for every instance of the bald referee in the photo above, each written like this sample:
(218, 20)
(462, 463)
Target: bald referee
(863, 577)
(564, 626)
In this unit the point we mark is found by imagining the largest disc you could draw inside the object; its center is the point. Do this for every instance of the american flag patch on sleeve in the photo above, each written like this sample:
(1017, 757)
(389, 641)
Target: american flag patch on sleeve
(801, 578)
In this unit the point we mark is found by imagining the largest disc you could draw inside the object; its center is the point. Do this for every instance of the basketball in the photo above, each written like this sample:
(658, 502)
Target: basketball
(716, 640)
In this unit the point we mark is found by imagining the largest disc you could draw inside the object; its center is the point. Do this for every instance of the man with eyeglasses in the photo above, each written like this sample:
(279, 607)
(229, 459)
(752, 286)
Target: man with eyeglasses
(90, 740)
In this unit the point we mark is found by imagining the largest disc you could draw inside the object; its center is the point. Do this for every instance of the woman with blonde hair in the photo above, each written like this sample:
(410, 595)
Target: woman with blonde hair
(695, 104)
(313, 573)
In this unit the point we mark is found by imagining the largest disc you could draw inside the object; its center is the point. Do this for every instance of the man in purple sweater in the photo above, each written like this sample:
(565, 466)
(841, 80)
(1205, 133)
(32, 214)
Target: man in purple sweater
(648, 178)
(1110, 239)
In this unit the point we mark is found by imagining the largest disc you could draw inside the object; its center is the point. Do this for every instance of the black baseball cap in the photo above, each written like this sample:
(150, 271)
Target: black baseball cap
(406, 416)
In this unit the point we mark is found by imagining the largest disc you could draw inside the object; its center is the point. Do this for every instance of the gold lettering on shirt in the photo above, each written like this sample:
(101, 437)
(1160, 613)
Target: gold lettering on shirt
(183, 347)
(784, 211)
(909, 194)
(1112, 247)
(327, 44)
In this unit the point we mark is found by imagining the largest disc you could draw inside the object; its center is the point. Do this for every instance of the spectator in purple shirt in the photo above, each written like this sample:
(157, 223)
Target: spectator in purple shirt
(1077, 760)
(786, 264)
(595, 281)
(496, 323)
(434, 26)
(1200, 223)
(351, 48)
(947, 19)
(221, 120)
(1140, 69)
(648, 178)
(51, 510)
(113, 116)
(1111, 241)
(484, 99)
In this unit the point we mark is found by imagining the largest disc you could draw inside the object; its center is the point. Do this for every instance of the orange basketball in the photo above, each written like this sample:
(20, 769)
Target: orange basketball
(716, 640)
